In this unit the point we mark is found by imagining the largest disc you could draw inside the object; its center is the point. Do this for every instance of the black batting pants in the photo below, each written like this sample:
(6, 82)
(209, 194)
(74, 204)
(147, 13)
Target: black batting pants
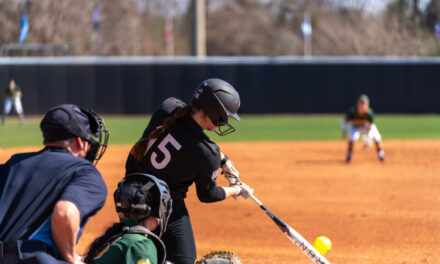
(179, 238)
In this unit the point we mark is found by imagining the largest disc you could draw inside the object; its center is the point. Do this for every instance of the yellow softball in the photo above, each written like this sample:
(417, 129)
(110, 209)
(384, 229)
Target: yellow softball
(322, 244)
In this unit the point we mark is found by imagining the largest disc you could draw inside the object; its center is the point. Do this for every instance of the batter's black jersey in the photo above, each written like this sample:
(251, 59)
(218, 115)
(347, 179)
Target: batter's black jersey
(180, 156)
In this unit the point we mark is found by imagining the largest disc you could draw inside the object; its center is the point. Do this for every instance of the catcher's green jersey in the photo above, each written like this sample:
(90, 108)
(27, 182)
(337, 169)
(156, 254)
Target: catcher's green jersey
(128, 249)
(357, 119)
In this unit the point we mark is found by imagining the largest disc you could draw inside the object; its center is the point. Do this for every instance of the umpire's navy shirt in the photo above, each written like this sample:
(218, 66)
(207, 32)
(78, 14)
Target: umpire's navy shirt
(32, 183)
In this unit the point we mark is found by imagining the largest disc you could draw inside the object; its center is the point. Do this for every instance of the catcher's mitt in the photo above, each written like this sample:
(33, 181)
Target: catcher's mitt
(219, 257)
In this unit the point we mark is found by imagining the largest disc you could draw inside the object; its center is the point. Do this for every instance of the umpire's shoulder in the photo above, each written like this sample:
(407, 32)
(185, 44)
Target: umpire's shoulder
(84, 168)
(16, 158)
(87, 178)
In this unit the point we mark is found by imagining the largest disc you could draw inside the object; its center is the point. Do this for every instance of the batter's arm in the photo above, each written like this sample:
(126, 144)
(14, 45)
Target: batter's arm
(231, 191)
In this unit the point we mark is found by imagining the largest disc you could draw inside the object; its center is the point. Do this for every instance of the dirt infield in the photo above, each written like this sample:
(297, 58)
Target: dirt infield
(372, 212)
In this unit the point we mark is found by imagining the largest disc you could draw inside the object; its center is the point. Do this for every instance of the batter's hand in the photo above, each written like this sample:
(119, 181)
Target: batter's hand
(243, 190)
(231, 174)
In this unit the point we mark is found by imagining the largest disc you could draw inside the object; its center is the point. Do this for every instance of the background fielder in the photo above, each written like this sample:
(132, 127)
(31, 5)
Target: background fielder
(360, 120)
(13, 98)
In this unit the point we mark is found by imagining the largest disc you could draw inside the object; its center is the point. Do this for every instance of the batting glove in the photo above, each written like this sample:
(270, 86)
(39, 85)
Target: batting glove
(230, 172)
(243, 190)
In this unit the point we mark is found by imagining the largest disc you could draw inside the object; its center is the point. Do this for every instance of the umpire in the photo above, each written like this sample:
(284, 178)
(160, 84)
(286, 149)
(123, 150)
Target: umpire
(47, 196)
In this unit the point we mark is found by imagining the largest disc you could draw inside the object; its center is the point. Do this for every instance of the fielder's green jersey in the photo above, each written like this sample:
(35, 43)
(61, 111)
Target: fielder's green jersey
(12, 93)
(357, 119)
(128, 249)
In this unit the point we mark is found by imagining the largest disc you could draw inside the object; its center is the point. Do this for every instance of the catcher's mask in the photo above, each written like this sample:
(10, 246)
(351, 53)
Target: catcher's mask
(219, 100)
(139, 196)
(68, 120)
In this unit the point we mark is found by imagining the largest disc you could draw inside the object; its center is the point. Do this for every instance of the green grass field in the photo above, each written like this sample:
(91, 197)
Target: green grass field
(126, 130)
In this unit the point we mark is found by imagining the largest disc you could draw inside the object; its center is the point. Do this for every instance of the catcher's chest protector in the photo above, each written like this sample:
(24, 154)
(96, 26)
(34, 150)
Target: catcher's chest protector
(161, 253)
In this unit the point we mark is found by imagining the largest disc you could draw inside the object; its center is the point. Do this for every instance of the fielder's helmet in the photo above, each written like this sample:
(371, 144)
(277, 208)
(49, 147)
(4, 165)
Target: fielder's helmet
(364, 98)
(219, 100)
(68, 120)
(139, 196)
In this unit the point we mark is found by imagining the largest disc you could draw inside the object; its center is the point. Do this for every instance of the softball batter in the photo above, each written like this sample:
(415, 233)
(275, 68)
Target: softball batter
(175, 149)
(360, 119)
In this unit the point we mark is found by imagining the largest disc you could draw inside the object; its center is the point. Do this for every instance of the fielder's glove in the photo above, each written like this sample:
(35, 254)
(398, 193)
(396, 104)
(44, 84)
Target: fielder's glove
(219, 257)
(228, 169)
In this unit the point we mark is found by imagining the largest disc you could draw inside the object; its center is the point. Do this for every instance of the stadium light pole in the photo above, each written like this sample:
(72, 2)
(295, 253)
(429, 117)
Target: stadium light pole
(198, 47)
(306, 28)
(169, 35)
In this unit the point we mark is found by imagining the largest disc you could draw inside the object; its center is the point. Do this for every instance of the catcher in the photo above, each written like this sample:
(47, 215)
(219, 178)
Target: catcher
(143, 204)
(360, 119)
(175, 148)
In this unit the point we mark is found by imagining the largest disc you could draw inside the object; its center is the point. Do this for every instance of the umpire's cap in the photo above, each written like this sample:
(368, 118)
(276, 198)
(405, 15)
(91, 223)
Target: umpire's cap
(68, 120)
(65, 121)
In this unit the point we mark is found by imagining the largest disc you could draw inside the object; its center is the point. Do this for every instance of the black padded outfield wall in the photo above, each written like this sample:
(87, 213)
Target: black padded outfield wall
(266, 85)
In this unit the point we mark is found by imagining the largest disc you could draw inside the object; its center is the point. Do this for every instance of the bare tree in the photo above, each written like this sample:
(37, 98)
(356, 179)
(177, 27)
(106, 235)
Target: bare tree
(234, 27)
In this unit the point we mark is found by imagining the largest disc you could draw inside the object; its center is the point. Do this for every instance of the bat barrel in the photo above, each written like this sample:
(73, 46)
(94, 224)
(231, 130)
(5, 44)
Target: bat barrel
(294, 236)
(305, 247)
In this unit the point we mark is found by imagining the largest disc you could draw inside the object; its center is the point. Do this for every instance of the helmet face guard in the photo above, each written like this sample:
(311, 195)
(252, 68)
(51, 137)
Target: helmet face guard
(125, 204)
(224, 129)
(98, 139)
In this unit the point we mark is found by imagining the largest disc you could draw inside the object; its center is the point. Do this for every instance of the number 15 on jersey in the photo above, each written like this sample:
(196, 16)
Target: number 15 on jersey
(163, 148)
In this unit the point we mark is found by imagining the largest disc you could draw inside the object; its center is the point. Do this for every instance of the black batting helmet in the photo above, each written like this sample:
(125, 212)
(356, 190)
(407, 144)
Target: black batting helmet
(219, 100)
(139, 196)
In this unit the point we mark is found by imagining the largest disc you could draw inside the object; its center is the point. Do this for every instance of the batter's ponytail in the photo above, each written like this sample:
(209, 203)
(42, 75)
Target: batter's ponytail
(140, 147)
(170, 121)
